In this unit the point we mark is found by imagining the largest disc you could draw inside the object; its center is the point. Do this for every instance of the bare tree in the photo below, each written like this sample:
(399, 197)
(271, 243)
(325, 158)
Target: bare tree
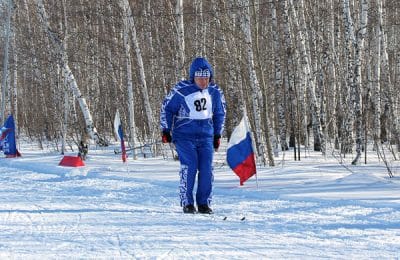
(131, 108)
(71, 82)
(256, 92)
(5, 62)
(181, 38)
(279, 87)
(320, 70)
(358, 43)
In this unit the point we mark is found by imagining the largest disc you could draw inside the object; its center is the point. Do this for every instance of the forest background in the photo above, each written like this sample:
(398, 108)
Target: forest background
(306, 72)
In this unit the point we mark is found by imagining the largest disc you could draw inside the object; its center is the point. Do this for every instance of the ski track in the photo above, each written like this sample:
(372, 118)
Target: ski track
(106, 210)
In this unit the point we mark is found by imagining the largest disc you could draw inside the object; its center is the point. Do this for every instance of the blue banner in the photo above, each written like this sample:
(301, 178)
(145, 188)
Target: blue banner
(7, 138)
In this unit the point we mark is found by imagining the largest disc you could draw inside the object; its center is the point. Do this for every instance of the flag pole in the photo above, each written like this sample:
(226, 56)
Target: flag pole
(246, 120)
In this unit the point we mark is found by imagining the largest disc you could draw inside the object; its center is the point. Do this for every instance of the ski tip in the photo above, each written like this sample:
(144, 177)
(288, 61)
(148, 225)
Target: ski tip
(224, 218)
(243, 218)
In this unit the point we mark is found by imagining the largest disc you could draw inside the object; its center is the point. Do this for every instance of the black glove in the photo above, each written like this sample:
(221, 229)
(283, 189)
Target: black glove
(166, 137)
(217, 141)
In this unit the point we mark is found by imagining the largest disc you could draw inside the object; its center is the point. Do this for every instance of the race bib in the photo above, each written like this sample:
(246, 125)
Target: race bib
(200, 105)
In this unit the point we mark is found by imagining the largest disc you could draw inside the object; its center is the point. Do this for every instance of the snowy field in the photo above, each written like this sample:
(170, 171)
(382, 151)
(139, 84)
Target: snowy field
(312, 209)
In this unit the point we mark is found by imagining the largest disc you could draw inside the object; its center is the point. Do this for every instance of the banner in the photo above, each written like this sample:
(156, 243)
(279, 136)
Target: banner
(240, 154)
(120, 134)
(7, 138)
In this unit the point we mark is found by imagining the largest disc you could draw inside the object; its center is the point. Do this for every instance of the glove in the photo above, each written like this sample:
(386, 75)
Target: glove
(166, 137)
(217, 141)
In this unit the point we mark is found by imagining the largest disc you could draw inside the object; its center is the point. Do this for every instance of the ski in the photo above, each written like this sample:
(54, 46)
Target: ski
(215, 216)
(243, 218)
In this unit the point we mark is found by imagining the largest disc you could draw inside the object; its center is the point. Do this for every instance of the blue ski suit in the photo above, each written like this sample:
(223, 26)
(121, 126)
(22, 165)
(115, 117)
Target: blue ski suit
(194, 116)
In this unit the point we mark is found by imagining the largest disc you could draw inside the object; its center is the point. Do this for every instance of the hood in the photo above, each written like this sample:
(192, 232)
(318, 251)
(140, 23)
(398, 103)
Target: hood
(199, 63)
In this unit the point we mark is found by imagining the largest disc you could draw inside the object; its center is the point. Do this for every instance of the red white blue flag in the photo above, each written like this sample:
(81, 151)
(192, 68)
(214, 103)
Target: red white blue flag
(240, 153)
(120, 134)
(7, 138)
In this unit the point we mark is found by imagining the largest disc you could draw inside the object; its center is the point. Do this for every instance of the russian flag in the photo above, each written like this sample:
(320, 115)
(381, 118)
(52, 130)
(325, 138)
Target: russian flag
(240, 153)
(119, 132)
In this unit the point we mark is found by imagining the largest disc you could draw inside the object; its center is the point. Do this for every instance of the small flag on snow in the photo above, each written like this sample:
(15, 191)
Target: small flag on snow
(240, 154)
(120, 134)
(7, 138)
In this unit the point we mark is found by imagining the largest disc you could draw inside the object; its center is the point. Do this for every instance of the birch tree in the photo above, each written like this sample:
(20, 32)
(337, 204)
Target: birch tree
(300, 74)
(5, 62)
(309, 80)
(127, 47)
(389, 112)
(348, 112)
(14, 99)
(256, 92)
(281, 61)
(356, 85)
(261, 67)
(332, 57)
(279, 87)
(289, 81)
(145, 93)
(234, 90)
(71, 82)
(375, 86)
(181, 38)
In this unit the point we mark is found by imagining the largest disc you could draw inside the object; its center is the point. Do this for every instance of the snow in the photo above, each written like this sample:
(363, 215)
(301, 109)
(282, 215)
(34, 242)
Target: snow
(316, 208)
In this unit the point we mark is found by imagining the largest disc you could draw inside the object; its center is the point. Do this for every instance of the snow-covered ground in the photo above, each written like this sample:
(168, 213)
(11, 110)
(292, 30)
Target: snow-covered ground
(312, 209)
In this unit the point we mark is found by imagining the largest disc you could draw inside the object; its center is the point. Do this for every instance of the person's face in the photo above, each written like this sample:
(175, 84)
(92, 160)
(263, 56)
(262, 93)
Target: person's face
(202, 82)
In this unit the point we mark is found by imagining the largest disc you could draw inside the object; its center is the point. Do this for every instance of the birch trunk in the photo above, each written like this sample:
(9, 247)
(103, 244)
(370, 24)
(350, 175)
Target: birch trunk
(376, 86)
(110, 67)
(94, 86)
(289, 77)
(348, 112)
(271, 141)
(14, 95)
(145, 93)
(358, 79)
(5, 63)
(389, 96)
(198, 28)
(279, 87)
(64, 124)
(299, 70)
(150, 48)
(332, 61)
(70, 79)
(309, 81)
(66, 106)
(181, 39)
(127, 47)
(34, 72)
(256, 92)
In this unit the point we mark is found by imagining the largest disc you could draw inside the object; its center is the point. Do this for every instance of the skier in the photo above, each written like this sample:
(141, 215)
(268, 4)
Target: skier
(192, 117)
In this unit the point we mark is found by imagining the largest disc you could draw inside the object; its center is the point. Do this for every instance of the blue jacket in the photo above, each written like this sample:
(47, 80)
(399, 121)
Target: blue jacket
(190, 112)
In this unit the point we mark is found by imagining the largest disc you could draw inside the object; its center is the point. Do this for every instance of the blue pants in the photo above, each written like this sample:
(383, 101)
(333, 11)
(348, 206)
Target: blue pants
(195, 155)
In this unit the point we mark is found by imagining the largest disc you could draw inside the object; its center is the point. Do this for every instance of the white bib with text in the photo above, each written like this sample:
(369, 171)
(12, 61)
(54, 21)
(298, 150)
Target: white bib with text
(200, 105)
